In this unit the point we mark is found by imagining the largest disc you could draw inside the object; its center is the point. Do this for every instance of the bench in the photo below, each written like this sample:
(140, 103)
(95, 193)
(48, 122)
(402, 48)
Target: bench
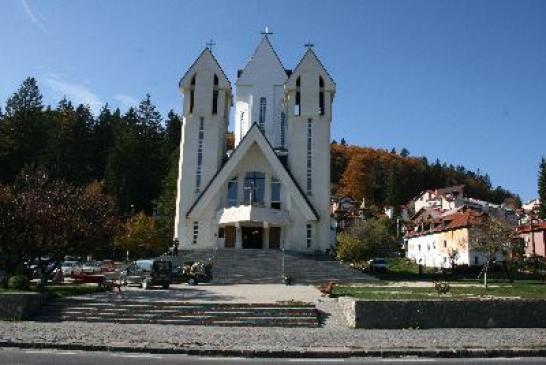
(327, 289)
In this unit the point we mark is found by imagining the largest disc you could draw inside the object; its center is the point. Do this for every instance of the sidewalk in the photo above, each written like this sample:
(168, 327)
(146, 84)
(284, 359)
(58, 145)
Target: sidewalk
(274, 342)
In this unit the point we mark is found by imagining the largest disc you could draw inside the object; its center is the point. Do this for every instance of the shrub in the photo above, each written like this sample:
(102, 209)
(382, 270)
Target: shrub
(18, 282)
(348, 247)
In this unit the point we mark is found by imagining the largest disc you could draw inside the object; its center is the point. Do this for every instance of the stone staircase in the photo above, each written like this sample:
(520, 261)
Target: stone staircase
(247, 266)
(180, 313)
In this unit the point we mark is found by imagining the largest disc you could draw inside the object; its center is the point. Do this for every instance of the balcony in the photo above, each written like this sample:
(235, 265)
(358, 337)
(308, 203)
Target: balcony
(252, 213)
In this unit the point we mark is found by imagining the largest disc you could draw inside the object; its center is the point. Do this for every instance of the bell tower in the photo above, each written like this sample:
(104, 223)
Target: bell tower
(206, 104)
(308, 97)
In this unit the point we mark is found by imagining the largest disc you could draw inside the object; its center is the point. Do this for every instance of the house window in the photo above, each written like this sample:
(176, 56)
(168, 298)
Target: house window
(232, 192)
(321, 95)
(192, 93)
(221, 232)
(297, 105)
(309, 235)
(309, 156)
(282, 129)
(261, 120)
(476, 260)
(275, 193)
(199, 154)
(254, 188)
(215, 96)
(445, 243)
(195, 232)
(419, 247)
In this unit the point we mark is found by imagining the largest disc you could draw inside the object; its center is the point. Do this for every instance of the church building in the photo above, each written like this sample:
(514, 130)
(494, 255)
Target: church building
(273, 190)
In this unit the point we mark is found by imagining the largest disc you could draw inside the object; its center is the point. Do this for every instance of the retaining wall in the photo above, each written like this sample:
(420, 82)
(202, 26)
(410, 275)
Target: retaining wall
(451, 313)
(17, 306)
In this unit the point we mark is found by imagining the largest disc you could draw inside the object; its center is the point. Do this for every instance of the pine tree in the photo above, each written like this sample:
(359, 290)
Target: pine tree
(24, 130)
(173, 130)
(542, 188)
(167, 202)
(26, 100)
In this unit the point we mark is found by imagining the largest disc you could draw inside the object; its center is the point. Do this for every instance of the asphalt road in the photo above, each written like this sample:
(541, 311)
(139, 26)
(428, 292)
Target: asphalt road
(11, 356)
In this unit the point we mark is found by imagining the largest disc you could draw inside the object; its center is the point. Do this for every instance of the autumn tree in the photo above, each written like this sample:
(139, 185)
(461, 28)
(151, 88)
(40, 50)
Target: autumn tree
(491, 237)
(139, 237)
(44, 219)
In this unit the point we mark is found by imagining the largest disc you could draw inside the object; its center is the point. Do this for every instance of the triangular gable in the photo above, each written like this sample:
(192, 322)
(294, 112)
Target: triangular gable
(253, 136)
(204, 57)
(310, 59)
(264, 52)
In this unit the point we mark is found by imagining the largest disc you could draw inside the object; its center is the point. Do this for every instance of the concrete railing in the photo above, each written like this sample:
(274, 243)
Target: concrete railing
(449, 313)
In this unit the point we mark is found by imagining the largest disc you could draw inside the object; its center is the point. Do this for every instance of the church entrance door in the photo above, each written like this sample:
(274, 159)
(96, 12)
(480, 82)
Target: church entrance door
(274, 238)
(229, 234)
(252, 237)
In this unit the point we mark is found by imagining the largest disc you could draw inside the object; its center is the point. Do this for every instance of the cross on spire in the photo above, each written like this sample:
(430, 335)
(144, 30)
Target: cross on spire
(210, 44)
(309, 45)
(266, 31)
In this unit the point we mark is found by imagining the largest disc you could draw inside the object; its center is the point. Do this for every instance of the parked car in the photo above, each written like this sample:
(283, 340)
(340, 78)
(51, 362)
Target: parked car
(67, 267)
(378, 265)
(91, 267)
(148, 273)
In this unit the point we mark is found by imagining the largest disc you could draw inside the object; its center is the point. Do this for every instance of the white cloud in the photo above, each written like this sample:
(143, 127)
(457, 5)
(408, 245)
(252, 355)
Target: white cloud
(34, 15)
(126, 101)
(77, 93)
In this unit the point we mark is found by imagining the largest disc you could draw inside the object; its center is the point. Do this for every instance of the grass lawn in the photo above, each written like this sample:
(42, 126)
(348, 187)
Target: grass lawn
(60, 291)
(518, 289)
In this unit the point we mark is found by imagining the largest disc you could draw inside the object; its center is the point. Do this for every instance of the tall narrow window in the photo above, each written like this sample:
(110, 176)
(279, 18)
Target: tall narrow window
(309, 156)
(283, 138)
(195, 232)
(321, 95)
(192, 93)
(232, 192)
(200, 137)
(215, 96)
(297, 104)
(309, 235)
(275, 193)
(261, 120)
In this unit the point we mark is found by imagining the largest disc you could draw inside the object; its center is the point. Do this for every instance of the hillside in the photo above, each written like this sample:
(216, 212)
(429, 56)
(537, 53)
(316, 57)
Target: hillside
(388, 178)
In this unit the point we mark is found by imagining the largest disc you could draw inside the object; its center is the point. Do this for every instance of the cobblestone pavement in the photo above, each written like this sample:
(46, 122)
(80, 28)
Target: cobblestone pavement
(285, 339)
(206, 293)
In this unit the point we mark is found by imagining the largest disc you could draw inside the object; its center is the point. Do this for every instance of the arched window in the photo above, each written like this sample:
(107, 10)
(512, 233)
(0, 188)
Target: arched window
(254, 188)
(215, 95)
(232, 193)
(283, 137)
(192, 93)
(321, 95)
(275, 193)
(297, 105)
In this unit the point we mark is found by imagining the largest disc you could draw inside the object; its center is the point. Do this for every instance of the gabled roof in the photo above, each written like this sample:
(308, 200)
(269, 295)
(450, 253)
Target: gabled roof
(204, 54)
(264, 47)
(311, 56)
(254, 136)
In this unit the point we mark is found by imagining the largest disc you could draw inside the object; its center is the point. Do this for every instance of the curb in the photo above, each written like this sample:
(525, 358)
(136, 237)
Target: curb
(303, 353)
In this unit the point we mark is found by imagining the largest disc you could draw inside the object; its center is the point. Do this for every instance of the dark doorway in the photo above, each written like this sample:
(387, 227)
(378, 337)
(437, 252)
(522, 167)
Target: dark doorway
(229, 240)
(252, 237)
(275, 238)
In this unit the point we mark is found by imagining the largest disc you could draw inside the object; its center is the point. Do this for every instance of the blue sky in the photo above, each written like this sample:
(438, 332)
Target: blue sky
(464, 81)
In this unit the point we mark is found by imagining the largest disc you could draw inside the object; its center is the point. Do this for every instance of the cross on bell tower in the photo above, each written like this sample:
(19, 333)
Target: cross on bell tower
(209, 44)
(266, 31)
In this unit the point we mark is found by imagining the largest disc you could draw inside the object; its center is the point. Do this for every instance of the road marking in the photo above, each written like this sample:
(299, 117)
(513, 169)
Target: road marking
(145, 356)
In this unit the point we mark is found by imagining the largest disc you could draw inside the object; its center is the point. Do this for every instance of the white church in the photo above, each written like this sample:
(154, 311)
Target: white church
(273, 190)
